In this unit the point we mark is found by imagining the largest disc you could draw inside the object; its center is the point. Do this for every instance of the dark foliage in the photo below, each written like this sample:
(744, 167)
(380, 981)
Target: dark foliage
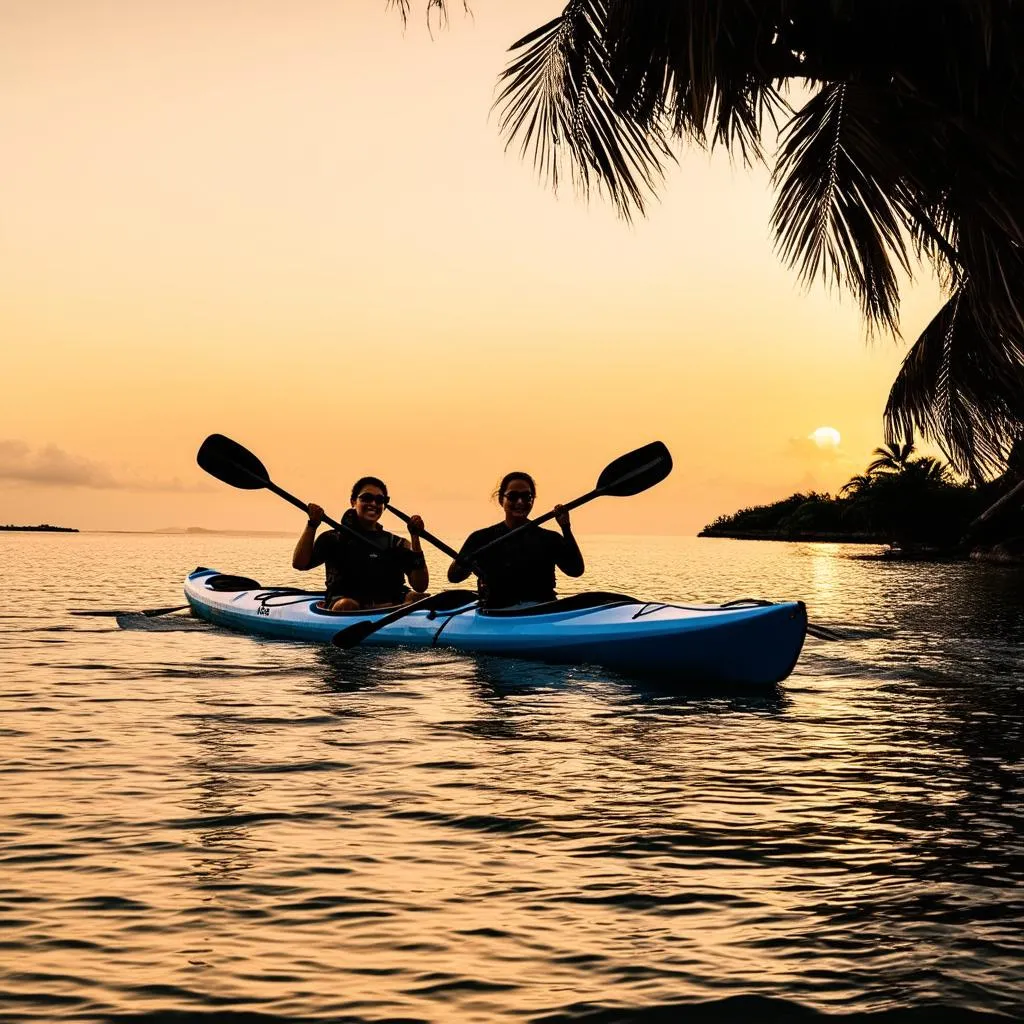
(911, 144)
(901, 500)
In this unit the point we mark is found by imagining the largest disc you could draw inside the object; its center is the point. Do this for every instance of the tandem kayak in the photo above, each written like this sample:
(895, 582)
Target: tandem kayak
(743, 642)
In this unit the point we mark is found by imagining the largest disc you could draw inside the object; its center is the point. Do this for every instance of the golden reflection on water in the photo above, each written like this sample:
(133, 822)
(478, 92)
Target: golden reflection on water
(218, 788)
(824, 576)
(303, 831)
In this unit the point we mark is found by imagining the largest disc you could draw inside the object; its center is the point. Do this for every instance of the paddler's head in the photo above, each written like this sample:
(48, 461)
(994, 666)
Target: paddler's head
(515, 495)
(369, 498)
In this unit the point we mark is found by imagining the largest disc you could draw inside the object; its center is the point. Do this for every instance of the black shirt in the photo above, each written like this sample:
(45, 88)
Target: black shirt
(520, 569)
(369, 575)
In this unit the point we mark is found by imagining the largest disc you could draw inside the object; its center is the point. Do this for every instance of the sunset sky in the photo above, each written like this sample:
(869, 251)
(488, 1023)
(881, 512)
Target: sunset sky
(296, 224)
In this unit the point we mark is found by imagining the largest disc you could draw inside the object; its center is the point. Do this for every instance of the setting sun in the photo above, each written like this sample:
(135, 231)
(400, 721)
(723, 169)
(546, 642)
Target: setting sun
(826, 437)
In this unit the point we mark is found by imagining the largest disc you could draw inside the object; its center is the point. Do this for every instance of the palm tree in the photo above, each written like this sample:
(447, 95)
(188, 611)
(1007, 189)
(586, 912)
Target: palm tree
(909, 147)
(856, 485)
(931, 472)
(891, 458)
(909, 500)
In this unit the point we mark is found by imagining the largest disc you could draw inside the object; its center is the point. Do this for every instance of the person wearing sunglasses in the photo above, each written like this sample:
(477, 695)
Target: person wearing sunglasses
(521, 569)
(364, 575)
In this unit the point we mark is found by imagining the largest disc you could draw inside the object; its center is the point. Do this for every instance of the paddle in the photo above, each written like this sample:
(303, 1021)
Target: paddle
(824, 632)
(629, 474)
(148, 612)
(355, 634)
(236, 466)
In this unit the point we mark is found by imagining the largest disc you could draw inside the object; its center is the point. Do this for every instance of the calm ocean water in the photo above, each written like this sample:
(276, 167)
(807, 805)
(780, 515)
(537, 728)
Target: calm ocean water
(197, 825)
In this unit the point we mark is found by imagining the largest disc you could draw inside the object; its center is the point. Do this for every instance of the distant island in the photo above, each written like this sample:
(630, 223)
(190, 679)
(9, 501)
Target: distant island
(914, 504)
(204, 531)
(41, 528)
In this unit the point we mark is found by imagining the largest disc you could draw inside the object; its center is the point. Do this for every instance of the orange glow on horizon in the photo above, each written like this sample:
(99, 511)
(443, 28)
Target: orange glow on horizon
(299, 227)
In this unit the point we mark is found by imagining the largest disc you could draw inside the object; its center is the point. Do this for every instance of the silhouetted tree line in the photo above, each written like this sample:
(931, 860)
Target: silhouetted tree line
(907, 501)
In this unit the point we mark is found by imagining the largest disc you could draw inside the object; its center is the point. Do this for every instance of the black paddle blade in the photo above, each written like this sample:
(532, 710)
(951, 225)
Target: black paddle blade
(636, 471)
(353, 635)
(228, 461)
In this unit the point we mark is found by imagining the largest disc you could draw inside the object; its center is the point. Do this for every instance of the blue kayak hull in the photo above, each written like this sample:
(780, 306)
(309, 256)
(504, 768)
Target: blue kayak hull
(746, 643)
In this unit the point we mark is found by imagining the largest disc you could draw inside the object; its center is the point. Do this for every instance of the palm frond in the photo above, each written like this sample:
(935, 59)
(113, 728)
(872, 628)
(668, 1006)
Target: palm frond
(929, 469)
(855, 485)
(559, 100)
(740, 109)
(892, 457)
(996, 262)
(696, 63)
(834, 216)
(438, 7)
(910, 146)
(962, 389)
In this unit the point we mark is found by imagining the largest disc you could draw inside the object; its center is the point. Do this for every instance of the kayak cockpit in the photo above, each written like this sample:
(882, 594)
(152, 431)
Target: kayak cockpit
(572, 603)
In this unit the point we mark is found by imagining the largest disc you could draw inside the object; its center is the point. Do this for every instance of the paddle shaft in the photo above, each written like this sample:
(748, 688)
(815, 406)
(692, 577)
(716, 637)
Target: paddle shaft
(299, 503)
(349, 636)
(570, 505)
(440, 544)
(446, 600)
(148, 612)
(575, 503)
(436, 541)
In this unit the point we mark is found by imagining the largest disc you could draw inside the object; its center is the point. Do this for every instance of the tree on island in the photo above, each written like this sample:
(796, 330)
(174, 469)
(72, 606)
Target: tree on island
(906, 143)
(911, 503)
(891, 458)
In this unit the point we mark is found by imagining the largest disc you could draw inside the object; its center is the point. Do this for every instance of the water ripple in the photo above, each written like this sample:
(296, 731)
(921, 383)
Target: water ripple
(198, 826)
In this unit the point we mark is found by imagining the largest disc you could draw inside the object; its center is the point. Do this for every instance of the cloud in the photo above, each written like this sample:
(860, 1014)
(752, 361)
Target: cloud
(52, 466)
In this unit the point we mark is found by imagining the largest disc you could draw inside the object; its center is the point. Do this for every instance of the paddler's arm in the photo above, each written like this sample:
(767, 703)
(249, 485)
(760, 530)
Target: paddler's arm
(461, 568)
(419, 575)
(570, 559)
(302, 557)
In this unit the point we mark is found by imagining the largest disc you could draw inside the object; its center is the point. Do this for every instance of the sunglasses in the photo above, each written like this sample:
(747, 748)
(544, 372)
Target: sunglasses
(373, 499)
(513, 496)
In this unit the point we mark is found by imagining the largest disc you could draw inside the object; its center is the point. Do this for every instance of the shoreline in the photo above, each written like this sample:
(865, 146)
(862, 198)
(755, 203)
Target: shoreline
(802, 536)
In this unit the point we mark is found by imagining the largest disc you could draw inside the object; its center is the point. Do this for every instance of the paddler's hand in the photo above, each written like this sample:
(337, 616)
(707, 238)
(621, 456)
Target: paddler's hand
(315, 513)
(415, 526)
(562, 517)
